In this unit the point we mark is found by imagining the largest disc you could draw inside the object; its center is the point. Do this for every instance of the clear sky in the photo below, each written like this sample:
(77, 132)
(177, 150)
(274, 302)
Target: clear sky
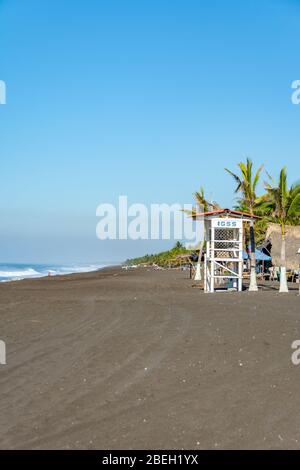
(150, 99)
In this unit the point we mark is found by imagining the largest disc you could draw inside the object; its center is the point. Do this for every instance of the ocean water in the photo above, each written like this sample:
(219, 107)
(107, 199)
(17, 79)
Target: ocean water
(16, 272)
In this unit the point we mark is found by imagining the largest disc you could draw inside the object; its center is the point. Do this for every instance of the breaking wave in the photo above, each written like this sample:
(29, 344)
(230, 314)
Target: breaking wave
(15, 272)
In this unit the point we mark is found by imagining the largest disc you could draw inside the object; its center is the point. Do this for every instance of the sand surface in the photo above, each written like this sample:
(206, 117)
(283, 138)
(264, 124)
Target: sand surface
(141, 359)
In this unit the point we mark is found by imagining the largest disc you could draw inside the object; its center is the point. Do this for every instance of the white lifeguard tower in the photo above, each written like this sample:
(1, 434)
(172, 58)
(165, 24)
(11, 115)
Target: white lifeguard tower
(223, 260)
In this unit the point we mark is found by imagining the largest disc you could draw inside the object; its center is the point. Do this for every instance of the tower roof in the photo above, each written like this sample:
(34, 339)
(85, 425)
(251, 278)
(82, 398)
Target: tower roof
(228, 213)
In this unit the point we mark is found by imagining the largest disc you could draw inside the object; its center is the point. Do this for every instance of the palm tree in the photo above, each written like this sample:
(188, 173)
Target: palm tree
(284, 204)
(246, 186)
(202, 205)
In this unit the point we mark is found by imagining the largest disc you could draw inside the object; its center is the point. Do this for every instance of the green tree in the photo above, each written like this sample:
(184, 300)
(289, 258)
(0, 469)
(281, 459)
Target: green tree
(202, 205)
(247, 182)
(284, 206)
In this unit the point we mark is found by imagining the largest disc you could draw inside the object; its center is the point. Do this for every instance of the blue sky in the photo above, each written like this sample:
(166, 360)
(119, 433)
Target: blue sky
(145, 98)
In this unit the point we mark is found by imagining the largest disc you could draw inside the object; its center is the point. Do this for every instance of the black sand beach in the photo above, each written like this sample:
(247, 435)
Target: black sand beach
(140, 359)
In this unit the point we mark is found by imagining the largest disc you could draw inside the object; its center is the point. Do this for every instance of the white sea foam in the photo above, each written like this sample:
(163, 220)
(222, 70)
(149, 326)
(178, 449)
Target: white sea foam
(29, 272)
(18, 272)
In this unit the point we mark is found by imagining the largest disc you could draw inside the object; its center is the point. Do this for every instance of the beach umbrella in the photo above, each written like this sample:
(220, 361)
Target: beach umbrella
(259, 255)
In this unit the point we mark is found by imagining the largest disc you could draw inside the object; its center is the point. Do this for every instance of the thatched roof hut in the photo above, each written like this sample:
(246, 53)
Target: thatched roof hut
(273, 244)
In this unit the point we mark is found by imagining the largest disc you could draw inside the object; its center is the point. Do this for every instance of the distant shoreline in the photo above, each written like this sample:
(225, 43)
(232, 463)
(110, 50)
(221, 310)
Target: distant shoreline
(23, 272)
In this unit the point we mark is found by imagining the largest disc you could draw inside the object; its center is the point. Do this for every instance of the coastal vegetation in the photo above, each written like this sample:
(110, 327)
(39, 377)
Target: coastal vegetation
(282, 205)
(160, 259)
(277, 204)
